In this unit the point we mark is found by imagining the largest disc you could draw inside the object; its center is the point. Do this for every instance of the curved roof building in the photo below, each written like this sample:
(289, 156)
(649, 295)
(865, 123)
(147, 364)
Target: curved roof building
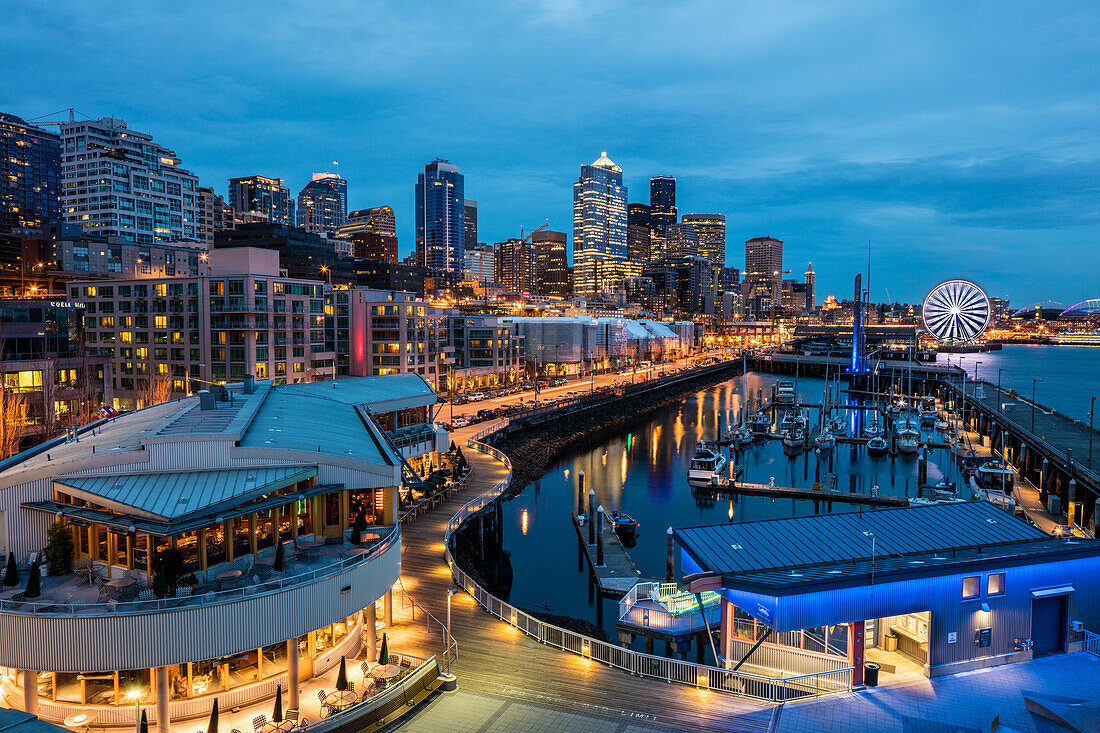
(1084, 309)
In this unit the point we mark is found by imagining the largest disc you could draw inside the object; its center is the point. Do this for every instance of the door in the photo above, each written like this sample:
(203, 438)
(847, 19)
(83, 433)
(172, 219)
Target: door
(1047, 623)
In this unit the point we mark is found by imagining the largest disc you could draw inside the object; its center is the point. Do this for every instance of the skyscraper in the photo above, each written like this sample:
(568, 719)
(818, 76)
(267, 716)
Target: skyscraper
(515, 266)
(259, 198)
(30, 176)
(551, 263)
(662, 207)
(811, 291)
(339, 185)
(763, 270)
(710, 231)
(639, 234)
(440, 217)
(152, 198)
(470, 209)
(320, 206)
(599, 226)
(377, 219)
(681, 240)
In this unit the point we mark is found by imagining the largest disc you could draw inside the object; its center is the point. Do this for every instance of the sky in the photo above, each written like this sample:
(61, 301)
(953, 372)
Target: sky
(958, 138)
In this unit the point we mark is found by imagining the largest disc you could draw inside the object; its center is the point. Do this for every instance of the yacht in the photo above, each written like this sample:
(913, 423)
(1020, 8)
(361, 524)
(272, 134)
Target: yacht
(908, 422)
(759, 423)
(793, 418)
(908, 441)
(707, 464)
(784, 393)
(838, 425)
(794, 439)
(877, 446)
(742, 436)
(875, 429)
(927, 411)
(825, 441)
(941, 425)
(996, 476)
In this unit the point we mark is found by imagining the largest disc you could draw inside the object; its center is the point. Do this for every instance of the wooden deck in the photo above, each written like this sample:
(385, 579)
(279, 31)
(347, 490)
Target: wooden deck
(497, 659)
(618, 574)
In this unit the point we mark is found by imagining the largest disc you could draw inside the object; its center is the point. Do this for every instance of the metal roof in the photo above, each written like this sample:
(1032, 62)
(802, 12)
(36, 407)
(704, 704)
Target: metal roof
(800, 542)
(172, 495)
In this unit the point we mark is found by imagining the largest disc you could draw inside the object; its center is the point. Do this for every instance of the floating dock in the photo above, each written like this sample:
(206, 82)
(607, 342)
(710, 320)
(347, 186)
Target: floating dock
(618, 574)
(825, 493)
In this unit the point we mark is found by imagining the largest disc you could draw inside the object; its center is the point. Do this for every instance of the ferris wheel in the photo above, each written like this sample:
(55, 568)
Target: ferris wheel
(956, 311)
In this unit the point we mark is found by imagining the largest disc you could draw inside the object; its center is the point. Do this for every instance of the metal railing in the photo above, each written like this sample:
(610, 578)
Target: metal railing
(48, 607)
(450, 645)
(1091, 643)
(760, 687)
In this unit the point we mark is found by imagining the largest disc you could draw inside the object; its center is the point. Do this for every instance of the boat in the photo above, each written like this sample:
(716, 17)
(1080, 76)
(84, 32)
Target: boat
(784, 393)
(927, 411)
(623, 524)
(759, 423)
(996, 475)
(941, 490)
(825, 441)
(794, 439)
(941, 426)
(875, 429)
(877, 446)
(838, 425)
(707, 463)
(743, 436)
(908, 422)
(908, 441)
(1004, 499)
(794, 418)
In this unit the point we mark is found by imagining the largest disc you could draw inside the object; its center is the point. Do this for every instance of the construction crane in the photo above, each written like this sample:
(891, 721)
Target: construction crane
(523, 239)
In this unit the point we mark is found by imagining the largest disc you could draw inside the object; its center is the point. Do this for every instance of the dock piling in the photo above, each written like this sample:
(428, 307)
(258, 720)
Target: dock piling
(599, 536)
(591, 516)
(580, 492)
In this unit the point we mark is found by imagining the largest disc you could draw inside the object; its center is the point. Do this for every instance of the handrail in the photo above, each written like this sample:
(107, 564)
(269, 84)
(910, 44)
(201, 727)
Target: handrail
(770, 689)
(176, 603)
(450, 644)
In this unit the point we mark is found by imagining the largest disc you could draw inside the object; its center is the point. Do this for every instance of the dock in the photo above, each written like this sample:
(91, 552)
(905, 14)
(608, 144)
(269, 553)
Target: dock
(825, 493)
(618, 574)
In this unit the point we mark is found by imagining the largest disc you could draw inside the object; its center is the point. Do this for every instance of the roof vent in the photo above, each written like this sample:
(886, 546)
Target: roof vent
(206, 400)
(249, 384)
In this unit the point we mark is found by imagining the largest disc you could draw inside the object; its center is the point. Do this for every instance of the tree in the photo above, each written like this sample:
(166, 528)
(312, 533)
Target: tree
(157, 388)
(13, 416)
(59, 549)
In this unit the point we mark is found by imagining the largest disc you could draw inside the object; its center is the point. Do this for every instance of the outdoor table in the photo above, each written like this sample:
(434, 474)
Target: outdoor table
(279, 726)
(121, 582)
(385, 672)
(81, 720)
(341, 699)
(353, 552)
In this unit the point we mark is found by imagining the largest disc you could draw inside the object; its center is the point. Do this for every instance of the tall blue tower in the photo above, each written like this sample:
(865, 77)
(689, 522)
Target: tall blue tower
(440, 217)
(859, 338)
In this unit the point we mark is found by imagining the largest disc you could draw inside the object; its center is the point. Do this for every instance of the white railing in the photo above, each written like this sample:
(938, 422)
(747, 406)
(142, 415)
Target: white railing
(47, 607)
(783, 660)
(450, 646)
(760, 687)
(1092, 643)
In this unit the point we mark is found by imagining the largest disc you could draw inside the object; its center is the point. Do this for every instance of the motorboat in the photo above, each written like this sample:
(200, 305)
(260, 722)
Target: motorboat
(784, 393)
(825, 441)
(941, 490)
(707, 463)
(941, 426)
(759, 423)
(908, 441)
(1004, 499)
(996, 475)
(877, 446)
(742, 436)
(624, 524)
(838, 425)
(794, 439)
(793, 419)
(927, 411)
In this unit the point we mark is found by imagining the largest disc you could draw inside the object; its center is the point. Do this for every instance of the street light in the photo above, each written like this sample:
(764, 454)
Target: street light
(135, 695)
(1000, 395)
(1033, 381)
(326, 271)
(1092, 406)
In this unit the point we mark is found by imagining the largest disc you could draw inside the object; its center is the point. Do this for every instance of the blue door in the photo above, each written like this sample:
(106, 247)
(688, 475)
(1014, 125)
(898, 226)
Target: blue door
(1047, 623)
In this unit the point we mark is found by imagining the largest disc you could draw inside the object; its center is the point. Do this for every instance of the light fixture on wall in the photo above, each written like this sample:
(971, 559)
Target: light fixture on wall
(985, 607)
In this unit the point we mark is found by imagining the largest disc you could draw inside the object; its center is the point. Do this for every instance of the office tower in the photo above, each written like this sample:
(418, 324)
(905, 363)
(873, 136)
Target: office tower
(259, 198)
(515, 266)
(440, 217)
(152, 198)
(639, 234)
(470, 209)
(680, 240)
(551, 263)
(662, 208)
(480, 263)
(214, 215)
(377, 219)
(30, 176)
(374, 247)
(320, 207)
(710, 231)
(763, 272)
(599, 226)
(339, 185)
(811, 292)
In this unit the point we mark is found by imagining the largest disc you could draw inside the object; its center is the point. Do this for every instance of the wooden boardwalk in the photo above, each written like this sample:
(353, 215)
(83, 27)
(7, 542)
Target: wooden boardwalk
(497, 659)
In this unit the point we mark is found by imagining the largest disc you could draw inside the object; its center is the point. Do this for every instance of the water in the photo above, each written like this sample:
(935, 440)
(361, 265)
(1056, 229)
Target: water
(643, 473)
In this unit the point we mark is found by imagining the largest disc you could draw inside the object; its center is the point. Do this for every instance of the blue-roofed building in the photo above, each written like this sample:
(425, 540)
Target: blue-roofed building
(924, 590)
(223, 545)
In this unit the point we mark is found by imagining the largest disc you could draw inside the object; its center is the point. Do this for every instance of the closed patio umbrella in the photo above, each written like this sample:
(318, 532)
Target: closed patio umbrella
(160, 583)
(360, 525)
(277, 714)
(11, 575)
(212, 727)
(384, 652)
(277, 564)
(342, 676)
(34, 582)
(144, 727)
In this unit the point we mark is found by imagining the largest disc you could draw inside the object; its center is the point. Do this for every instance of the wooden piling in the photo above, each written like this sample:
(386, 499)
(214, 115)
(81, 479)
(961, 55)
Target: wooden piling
(599, 536)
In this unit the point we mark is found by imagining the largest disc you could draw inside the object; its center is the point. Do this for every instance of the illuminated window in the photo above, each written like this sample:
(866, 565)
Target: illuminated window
(995, 585)
(971, 588)
(160, 321)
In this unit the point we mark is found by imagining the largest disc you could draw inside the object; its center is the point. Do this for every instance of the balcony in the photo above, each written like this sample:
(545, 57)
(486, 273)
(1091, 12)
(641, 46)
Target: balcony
(77, 629)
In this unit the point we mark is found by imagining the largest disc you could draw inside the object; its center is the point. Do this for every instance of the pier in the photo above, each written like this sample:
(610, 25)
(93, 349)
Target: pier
(617, 574)
(825, 493)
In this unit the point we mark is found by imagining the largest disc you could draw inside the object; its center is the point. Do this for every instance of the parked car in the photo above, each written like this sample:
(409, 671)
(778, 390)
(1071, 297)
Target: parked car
(528, 385)
(558, 382)
(476, 397)
(460, 422)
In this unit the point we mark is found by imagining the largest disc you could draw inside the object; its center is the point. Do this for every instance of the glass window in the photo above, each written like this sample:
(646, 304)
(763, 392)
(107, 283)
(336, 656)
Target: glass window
(995, 585)
(215, 545)
(241, 543)
(971, 589)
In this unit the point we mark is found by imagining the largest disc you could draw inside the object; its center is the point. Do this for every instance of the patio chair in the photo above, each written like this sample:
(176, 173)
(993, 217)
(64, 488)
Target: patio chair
(326, 707)
(258, 722)
(365, 666)
(291, 715)
(370, 685)
(351, 686)
(147, 595)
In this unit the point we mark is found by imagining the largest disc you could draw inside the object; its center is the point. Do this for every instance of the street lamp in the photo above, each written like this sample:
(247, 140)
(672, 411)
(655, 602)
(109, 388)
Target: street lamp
(326, 271)
(1000, 395)
(1033, 381)
(1092, 406)
(135, 695)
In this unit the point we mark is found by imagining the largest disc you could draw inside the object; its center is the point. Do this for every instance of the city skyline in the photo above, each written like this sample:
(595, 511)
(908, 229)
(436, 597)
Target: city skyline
(958, 170)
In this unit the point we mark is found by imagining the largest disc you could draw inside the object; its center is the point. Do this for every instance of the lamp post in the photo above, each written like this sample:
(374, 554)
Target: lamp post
(325, 270)
(1092, 406)
(1000, 395)
(135, 695)
(1033, 381)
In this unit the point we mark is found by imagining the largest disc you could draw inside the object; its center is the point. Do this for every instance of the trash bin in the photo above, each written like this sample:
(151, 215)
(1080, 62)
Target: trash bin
(870, 674)
(891, 642)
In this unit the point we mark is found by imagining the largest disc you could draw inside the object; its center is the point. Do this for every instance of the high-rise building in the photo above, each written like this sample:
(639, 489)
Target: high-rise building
(662, 207)
(374, 247)
(811, 290)
(599, 227)
(680, 240)
(339, 185)
(515, 266)
(259, 198)
(470, 209)
(551, 263)
(639, 234)
(214, 215)
(440, 217)
(710, 232)
(30, 176)
(377, 219)
(117, 182)
(480, 263)
(763, 272)
(320, 206)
